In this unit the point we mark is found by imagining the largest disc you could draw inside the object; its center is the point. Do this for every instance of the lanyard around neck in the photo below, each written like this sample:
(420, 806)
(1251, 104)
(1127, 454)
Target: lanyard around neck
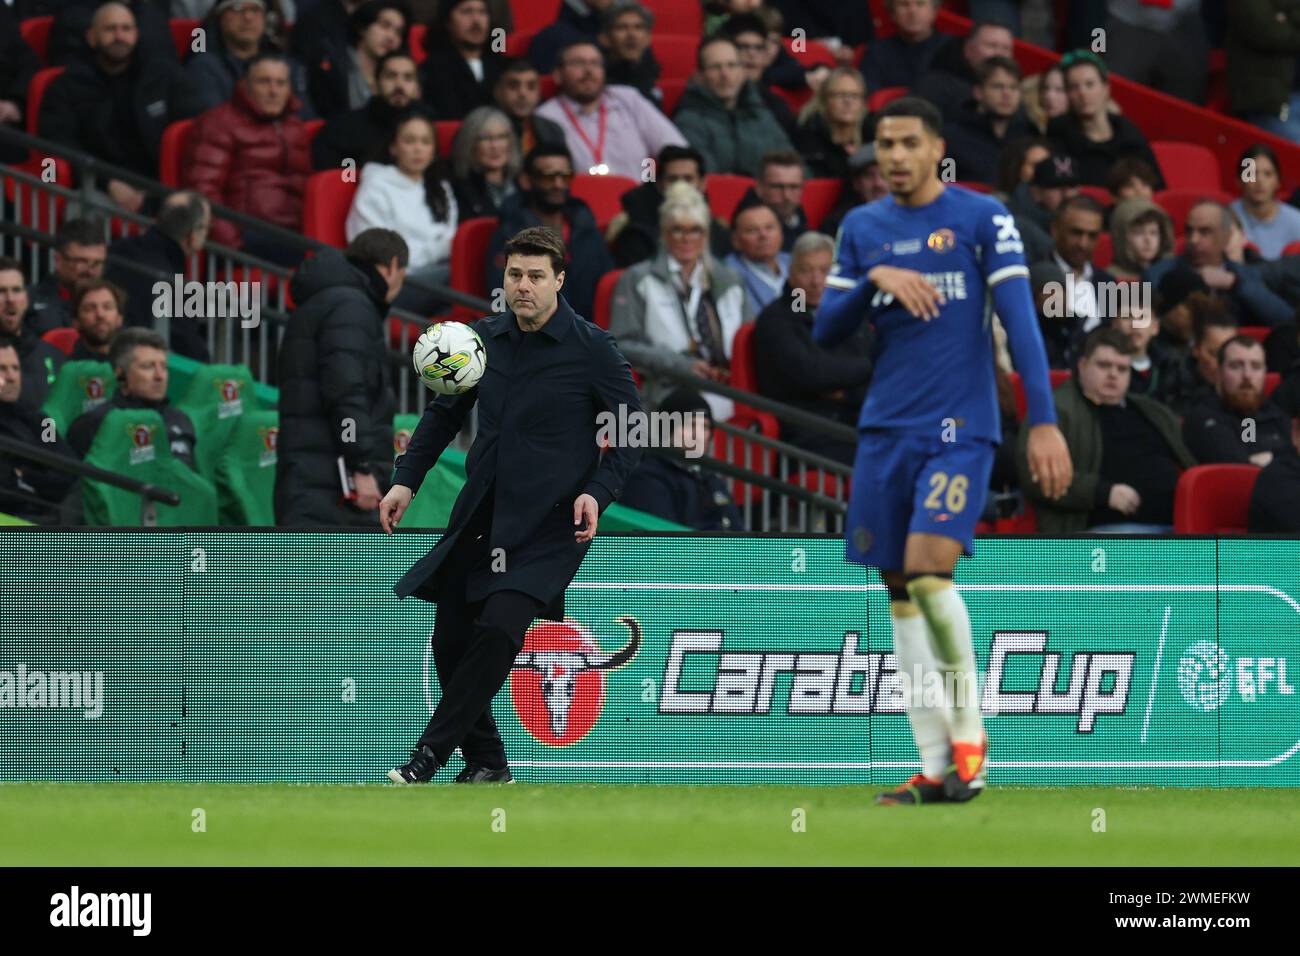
(597, 150)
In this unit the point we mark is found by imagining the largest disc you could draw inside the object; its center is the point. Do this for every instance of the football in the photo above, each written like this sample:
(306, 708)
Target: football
(449, 358)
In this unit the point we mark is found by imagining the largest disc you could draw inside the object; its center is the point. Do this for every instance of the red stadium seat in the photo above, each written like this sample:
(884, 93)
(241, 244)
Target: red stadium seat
(746, 454)
(445, 133)
(1186, 165)
(880, 19)
(183, 35)
(312, 127)
(530, 16)
(1179, 202)
(819, 198)
(415, 41)
(326, 202)
(1214, 499)
(44, 219)
(468, 251)
(517, 43)
(36, 34)
(672, 91)
(1104, 254)
(602, 194)
(744, 368)
(1271, 381)
(1055, 376)
(881, 98)
(546, 86)
(36, 92)
(725, 190)
(605, 297)
(795, 99)
(1257, 332)
(172, 152)
(812, 54)
(65, 340)
(683, 17)
(676, 54)
(1099, 193)
(1292, 248)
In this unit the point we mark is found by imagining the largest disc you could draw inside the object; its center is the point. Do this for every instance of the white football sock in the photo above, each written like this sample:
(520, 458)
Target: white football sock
(916, 669)
(954, 651)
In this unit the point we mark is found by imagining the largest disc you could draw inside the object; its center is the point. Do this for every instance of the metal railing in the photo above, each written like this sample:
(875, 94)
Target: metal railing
(768, 476)
(149, 494)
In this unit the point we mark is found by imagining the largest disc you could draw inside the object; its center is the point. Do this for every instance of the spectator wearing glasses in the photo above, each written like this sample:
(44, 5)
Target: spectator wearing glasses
(767, 63)
(682, 309)
(780, 185)
(485, 159)
(79, 255)
(608, 129)
(544, 199)
(834, 124)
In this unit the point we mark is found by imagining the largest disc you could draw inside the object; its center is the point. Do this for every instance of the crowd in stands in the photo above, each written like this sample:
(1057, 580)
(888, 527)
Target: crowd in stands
(280, 90)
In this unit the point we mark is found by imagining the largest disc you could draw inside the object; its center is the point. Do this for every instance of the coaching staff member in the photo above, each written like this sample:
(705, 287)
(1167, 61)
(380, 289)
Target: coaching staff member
(536, 485)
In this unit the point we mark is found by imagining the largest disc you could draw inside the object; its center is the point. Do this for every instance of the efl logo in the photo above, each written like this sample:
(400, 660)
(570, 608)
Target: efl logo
(230, 403)
(557, 684)
(142, 442)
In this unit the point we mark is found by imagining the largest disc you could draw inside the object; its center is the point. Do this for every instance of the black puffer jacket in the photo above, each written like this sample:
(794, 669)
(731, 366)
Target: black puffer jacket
(333, 368)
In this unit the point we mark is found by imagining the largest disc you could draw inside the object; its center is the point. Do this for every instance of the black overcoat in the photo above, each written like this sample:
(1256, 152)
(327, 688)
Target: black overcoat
(538, 404)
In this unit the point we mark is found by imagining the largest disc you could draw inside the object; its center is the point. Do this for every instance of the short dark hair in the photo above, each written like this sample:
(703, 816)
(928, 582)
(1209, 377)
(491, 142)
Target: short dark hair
(675, 154)
(1082, 201)
(1245, 341)
(10, 265)
(1013, 157)
(581, 41)
(84, 289)
(87, 231)
(267, 56)
(517, 64)
(992, 65)
(378, 247)
(1107, 335)
(988, 24)
(127, 341)
(749, 206)
(1127, 168)
(779, 157)
(545, 149)
(740, 23)
(365, 15)
(917, 107)
(401, 53)
(179, 217)
(718, 36)
(1208, 311)
(8, 342)
(1261, 150)
(537, 241)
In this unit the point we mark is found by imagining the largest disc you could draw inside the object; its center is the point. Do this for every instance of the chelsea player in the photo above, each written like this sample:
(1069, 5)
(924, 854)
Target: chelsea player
(921, 265)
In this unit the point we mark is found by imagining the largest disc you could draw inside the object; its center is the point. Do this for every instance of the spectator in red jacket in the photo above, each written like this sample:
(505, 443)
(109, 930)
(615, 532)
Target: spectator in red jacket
(252, 154)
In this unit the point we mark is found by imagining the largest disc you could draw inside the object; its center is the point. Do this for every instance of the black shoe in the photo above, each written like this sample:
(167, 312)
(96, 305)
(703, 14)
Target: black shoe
(473, 773)
(419, 769)
(917, 790)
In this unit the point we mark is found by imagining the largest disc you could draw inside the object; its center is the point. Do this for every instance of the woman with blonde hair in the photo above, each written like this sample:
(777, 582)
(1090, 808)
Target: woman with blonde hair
(834, 123)
(485, 159)
(1043, 95)
(682, 309)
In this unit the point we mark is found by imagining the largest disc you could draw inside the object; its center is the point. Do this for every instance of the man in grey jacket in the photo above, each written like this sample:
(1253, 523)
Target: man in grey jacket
(722, 114)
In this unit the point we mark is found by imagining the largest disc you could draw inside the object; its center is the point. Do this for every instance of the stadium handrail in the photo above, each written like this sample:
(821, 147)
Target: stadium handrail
(85, 166)
(150, 495)
(728, 470)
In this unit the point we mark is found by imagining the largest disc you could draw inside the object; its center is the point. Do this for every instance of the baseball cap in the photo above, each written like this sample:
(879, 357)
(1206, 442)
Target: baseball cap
(1056, 170)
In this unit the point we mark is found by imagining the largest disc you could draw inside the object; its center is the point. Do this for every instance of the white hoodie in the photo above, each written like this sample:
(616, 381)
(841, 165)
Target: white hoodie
(387, 199)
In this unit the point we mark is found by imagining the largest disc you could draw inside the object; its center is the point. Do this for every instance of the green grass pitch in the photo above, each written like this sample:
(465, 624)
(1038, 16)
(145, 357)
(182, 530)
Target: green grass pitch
(527, 824)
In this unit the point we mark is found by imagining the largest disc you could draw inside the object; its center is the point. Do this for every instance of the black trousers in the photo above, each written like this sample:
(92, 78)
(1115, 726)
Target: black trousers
(474, 647)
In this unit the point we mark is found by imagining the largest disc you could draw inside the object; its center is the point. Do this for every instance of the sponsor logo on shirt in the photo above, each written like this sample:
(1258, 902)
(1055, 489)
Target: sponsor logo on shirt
(941, 240)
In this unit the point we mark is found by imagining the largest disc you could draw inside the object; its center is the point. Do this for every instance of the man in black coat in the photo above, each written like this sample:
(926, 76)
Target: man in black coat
(115, 101)
(535, 487)
(68, 42)
(1277, 489)
(451, 85)
(948, 81)
(544, 200)
(22, 479)
(977, 134)
(672, 484)
(350, 134)
(164, 249)
(634, 233)
(336, 394)
(40, 361)
(1237, 424)
(831, 382)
